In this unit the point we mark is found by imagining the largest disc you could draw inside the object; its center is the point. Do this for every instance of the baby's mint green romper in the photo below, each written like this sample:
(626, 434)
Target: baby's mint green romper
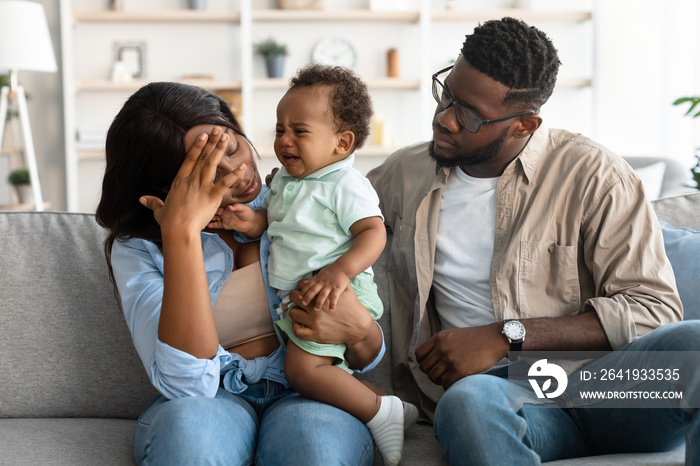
(309, 228)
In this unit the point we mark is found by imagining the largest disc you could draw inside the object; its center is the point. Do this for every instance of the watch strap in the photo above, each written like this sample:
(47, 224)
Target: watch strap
(515, 349)
(516, 346)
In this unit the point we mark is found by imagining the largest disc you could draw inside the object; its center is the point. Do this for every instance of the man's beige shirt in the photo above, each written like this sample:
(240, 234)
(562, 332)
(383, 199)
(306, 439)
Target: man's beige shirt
(573, 232)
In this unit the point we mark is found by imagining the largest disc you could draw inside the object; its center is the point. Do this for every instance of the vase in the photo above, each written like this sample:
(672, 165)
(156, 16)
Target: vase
(275, 66)
(392, 63)
(197, 4)
(24, 193)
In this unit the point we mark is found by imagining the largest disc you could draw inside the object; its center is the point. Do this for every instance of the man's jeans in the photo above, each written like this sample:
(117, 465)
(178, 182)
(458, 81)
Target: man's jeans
(475, 423)
(266, 425)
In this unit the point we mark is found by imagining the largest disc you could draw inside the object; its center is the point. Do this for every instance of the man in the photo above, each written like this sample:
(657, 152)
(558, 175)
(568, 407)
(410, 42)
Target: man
(509, 236)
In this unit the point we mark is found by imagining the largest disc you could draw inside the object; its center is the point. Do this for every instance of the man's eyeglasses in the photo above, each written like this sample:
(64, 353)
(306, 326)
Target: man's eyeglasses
(466, 117)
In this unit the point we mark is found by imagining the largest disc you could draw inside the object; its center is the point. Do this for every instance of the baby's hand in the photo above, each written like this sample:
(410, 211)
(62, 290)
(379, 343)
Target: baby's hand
(239, 217)
(328, 283)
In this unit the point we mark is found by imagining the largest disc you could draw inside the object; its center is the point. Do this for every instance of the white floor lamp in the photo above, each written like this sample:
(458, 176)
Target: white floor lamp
(25, 45)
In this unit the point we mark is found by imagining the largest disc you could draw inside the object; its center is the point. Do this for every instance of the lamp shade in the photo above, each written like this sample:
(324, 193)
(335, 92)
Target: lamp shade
(25, 43)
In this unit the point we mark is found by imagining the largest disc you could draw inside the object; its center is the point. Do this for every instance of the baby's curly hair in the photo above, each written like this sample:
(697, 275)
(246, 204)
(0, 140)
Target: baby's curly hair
(520, 56)
(350, 102)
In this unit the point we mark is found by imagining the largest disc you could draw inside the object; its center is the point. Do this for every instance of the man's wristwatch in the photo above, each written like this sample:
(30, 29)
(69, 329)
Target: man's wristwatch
(514, 331)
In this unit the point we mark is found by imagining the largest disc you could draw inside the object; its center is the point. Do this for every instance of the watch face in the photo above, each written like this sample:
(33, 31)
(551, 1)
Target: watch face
(514, 330)
(334, 51)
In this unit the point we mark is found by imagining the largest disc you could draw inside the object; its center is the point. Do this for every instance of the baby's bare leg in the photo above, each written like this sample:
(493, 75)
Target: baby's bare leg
(317, 378)
(374, 388)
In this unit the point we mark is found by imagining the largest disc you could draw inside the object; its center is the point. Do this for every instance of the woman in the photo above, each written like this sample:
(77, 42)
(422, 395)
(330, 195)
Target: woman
(175, 156)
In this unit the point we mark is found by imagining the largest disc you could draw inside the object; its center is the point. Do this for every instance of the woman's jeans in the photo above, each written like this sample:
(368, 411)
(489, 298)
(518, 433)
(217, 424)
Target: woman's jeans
(476, 423)
(266, 425)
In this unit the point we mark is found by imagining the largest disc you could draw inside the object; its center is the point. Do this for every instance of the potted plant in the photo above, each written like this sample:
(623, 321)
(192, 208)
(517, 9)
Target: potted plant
(694, 102)
(274, 54)
(19, 179)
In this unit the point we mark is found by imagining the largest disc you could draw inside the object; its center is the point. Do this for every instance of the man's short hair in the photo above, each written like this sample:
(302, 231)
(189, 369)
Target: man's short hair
(517, 55)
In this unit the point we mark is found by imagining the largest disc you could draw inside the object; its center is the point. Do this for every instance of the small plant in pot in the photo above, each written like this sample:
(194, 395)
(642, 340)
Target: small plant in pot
(274, 54)
(19, 179)
(694, 103)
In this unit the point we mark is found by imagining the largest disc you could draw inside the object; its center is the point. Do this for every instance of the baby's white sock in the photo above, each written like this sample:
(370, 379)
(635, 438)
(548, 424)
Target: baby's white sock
(410, 415)
(387, 429)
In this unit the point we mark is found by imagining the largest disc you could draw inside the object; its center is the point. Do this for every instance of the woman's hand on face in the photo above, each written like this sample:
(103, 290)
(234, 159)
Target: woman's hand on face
(195, 196)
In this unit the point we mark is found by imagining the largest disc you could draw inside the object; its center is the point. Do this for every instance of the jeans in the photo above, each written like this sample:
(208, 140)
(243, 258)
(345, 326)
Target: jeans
(266, 425)
(475, 424)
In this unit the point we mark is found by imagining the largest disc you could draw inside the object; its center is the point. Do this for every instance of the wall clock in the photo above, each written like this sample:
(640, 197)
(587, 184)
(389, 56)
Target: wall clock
(334, 51)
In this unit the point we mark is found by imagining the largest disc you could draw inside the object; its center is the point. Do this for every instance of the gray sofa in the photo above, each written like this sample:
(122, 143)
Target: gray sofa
(675, 179)
(71, 384)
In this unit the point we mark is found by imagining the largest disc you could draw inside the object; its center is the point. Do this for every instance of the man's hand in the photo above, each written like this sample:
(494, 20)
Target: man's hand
(327, 284)
(350, 324)
(452, 354)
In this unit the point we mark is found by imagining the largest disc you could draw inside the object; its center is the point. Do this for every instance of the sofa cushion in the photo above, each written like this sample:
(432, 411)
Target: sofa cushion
(67, 442)
(676, 175)
(652, 177)
(66, 349)
(683, 251)
(680, 211)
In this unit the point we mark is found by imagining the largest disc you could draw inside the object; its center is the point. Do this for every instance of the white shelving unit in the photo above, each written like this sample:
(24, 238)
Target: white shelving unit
(230, 32)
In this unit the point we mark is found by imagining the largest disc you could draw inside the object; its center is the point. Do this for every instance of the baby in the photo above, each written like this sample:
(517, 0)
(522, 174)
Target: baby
(326, 230)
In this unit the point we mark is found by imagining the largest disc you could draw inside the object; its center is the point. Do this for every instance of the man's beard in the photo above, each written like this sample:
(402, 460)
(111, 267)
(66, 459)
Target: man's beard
(476, 157)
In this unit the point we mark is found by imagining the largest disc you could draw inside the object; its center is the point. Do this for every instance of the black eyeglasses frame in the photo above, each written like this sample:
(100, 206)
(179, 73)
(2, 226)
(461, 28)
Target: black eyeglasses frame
(459, 106)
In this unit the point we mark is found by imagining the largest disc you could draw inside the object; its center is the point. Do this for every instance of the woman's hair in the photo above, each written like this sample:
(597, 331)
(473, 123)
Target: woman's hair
(145, 148)
(520, 56)
(350, 102)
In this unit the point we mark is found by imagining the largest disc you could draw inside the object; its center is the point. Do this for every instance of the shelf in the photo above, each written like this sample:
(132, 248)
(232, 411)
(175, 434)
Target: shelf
(215, 84)
(337, 15)
(522, 13)
(367, 151)
(132, 86)
(359, 15)
(574, 83)
(279, 84)
(21, 207)
(238, 25)
(374, 83)
(167, 16)
(91, 154)
(393, 83)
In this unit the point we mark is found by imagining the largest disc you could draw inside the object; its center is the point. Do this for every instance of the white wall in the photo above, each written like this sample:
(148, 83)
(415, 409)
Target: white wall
(643, 54)
(647, 56)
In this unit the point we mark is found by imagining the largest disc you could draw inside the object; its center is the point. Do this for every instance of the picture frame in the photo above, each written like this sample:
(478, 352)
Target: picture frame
(133, 56)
